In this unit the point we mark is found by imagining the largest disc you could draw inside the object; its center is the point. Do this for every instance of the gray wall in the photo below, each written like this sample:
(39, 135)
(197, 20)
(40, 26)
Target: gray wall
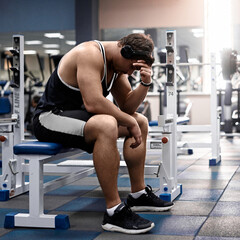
(36, 15)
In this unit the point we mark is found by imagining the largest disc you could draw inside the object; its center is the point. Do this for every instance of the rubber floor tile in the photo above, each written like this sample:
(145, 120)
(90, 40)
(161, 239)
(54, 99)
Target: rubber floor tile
(175, 225)
(226, 208)
(200, 195)
(148, 236)
(72, 190)
(40, 234)
(85, 205)
(203, 184)
(201, 168)
(125, 182)
(216, 238)
(234, 185)
(225, 226)
(205, 175)
(231, 195)
(191, 208)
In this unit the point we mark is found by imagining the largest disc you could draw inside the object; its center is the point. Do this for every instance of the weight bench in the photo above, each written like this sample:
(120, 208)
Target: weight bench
(39, 153)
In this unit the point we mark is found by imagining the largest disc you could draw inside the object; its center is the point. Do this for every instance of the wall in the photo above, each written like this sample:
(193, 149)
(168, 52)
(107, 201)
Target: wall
(37, 15)
(151, 13)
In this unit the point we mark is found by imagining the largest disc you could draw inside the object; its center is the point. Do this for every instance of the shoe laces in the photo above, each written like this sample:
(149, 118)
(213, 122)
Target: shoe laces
(150, 192)
(126, 211)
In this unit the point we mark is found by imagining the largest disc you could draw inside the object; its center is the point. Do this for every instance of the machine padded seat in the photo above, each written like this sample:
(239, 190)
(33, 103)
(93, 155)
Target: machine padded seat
(180, 120)
(2, 83)
(35, 147)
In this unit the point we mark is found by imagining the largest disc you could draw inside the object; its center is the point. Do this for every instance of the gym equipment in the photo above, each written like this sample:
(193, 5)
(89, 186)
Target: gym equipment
(229, 63)
(12, 129)
(214, 127)
(39, 153)
(169, 187)
(5, 105)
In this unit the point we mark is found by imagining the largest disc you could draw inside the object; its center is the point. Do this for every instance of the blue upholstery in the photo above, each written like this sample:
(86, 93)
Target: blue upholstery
(5, 105)
(180, 120)
(7, 92)
(2, 83)
(153, 123)
(35, 147)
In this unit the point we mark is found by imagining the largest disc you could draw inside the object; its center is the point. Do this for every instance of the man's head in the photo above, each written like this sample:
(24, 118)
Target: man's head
(137, 46)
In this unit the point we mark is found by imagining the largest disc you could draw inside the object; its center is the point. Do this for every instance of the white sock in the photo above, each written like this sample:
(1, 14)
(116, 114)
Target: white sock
(138, 194)
(110, 211)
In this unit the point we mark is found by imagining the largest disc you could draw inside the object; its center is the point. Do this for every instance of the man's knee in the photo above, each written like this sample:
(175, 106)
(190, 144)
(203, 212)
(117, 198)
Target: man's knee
(142, 121)
(103, 126)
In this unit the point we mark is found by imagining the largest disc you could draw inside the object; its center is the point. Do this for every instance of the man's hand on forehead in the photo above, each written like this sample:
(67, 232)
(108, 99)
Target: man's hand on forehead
(139, 64)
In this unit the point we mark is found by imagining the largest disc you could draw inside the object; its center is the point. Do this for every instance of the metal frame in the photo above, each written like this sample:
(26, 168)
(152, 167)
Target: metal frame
(12, 129)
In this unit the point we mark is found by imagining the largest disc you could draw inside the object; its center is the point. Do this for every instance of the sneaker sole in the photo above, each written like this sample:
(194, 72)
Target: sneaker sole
(114, 228)
(150, 209)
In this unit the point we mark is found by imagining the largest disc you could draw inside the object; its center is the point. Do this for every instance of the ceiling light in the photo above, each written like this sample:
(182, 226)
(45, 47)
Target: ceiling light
(8, 48)
(33, 42)
(51, 45)
(197, 30)
(72, 43)
(198, 35)
(54, 35)
(52, 51)
(29, 52)
(138, 31)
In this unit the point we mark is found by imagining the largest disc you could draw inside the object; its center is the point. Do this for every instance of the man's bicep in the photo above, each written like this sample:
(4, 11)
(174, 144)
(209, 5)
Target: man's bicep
(121, 89)
(89, 83)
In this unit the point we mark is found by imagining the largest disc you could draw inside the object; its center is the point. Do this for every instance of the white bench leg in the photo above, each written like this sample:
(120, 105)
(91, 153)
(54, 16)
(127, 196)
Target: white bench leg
(36, 199)
(36, 216)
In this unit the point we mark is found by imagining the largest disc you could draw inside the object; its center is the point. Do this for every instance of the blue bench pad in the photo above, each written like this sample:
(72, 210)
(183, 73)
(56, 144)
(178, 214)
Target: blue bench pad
(180, 120)
(35, 147)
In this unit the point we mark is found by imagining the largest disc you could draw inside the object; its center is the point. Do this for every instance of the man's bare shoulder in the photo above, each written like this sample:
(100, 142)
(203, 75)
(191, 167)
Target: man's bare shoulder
(87, 52)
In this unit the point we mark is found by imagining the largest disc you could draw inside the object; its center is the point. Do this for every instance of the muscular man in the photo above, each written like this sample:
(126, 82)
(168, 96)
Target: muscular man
(74, 111)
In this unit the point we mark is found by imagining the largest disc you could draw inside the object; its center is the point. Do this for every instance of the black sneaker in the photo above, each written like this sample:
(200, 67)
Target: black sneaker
(148, 202)
(125, 221)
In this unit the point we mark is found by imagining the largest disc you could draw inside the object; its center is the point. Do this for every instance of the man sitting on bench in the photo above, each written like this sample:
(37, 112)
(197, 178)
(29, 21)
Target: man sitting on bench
(75, 112)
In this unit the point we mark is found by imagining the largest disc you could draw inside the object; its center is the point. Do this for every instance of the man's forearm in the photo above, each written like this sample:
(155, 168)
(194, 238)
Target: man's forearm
(135, 98)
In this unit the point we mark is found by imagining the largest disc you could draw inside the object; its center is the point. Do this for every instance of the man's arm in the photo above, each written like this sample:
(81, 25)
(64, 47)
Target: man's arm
(129, 100)
(89, 82)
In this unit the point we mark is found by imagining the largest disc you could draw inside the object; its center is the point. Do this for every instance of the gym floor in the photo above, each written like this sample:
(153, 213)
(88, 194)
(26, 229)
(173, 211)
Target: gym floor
(208, 209)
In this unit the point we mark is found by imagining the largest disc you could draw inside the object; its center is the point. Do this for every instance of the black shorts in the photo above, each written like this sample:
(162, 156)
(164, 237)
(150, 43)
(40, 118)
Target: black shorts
(65, 127)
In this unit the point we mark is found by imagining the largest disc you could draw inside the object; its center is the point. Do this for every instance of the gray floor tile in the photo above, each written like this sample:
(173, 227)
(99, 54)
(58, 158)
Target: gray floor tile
(236, 176)
(148, 236)
(192, 208)
(88, 181)
(22, 202)
(215, 238)
(87, 221)
(204, 183)
(206, 168)
(221, 227)
(123, 192)
(4, 231)
(231, 195)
